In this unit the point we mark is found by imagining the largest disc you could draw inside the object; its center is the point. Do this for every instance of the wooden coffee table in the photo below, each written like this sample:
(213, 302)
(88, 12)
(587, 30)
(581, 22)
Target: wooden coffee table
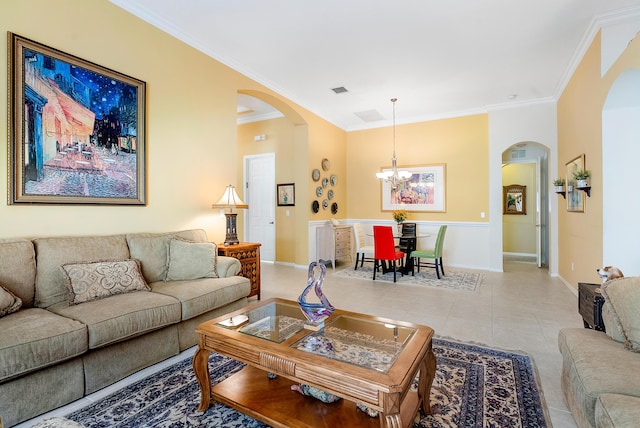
(374, 362)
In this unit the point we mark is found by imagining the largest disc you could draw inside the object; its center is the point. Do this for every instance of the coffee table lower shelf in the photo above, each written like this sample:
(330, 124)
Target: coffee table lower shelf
(273, 402)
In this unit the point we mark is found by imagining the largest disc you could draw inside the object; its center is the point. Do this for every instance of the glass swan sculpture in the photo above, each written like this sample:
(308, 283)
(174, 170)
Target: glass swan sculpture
(315, 313)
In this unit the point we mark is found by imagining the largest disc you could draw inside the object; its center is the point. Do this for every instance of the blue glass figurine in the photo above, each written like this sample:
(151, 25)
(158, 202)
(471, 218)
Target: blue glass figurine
(316, 313)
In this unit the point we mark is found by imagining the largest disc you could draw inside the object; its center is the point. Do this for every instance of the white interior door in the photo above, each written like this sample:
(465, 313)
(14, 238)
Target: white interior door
(260, 194)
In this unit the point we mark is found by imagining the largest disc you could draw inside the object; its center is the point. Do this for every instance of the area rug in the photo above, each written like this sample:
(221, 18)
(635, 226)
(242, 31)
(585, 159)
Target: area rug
(474, 386)
(453, 280)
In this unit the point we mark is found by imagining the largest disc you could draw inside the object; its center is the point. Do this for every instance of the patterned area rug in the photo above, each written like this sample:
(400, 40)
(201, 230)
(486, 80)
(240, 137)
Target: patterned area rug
(453, 280)
(474, 386)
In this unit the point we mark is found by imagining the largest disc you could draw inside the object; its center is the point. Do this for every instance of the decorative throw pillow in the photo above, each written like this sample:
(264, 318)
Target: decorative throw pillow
(623, 296)
(9, 302)
(191, 260)
(97, 280)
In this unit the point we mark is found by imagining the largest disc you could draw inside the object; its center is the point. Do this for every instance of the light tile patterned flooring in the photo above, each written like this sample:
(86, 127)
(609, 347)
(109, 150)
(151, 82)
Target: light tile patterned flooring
(522, 308)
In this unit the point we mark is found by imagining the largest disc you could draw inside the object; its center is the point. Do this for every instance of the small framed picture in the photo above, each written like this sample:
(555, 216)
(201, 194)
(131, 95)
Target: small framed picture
(514, 199)
(286, 195)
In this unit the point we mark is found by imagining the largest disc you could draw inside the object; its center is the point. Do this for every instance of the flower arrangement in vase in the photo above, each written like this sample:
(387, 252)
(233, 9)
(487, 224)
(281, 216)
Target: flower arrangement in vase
(400, 216)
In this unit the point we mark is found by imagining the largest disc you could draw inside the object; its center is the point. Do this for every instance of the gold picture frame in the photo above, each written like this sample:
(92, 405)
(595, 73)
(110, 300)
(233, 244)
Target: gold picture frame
(575, 196)
(77, 130)
(514, 200)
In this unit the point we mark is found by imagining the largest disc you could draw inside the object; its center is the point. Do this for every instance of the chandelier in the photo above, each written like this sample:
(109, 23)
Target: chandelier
(394, 177)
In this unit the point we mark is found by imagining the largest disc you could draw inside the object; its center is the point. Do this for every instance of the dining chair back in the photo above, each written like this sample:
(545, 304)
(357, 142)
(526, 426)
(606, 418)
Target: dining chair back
(363, 252)
(385, 250)
(434, 254)
(407, 241)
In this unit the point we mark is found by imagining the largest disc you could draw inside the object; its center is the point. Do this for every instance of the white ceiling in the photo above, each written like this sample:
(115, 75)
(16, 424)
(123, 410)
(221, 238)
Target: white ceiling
(439, 58)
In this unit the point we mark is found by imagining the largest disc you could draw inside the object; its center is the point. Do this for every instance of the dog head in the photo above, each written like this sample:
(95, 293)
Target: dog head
(608, 273)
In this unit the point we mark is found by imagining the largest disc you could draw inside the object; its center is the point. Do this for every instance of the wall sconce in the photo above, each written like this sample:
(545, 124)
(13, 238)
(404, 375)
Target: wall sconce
(229, 201)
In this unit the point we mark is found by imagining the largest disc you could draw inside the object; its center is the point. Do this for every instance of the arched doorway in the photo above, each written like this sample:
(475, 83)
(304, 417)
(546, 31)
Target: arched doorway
(525, 236)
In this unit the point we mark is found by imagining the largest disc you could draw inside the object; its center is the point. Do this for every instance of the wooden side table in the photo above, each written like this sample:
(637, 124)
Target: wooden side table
(590, 303)
(249, 255)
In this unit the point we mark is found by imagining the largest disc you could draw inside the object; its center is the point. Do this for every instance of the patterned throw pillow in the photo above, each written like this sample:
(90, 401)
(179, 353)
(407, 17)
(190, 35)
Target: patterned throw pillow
(97, 280)
(191, 260)
(9, 302)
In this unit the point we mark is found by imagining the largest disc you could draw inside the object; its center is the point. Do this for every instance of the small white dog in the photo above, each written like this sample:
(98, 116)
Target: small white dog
(608, 273)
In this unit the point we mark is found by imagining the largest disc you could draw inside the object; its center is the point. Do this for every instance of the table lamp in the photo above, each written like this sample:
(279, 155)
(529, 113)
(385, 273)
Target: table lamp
(228, 202)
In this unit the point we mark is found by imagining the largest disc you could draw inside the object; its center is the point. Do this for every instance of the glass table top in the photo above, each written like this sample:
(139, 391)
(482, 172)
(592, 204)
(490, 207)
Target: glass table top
(360, 341)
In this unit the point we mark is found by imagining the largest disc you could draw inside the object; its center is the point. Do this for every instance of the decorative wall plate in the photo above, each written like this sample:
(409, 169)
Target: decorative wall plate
(334, 179)
(330, 194)
(325, 204)
(315, 206)
(325, 182)
(326, 164)
(334, 208)
(315, 174)
(319, 191)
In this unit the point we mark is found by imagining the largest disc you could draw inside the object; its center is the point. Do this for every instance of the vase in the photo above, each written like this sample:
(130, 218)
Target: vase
(315, 313)
(580, 184)
(559, 189)
(399, 228)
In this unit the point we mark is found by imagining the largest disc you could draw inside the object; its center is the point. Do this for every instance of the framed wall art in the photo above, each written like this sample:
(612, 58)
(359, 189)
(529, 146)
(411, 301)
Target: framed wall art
(286, 195)
(77, 130)
(514, 199)
(424, 191)
(575, 196)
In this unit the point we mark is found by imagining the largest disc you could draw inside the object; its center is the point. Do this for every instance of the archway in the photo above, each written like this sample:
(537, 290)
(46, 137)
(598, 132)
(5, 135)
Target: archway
(620, 154)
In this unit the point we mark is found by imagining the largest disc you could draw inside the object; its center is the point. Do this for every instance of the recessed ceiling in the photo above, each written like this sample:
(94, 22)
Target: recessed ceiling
(439, 58)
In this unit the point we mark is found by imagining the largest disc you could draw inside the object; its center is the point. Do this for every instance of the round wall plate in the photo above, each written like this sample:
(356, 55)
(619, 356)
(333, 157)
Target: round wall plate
(330, 194)
(334, 208)
(319, 191)
(325, 182)
(315, 174)
(334, 179)
(315, 206)
(325, 204)
(326, 164)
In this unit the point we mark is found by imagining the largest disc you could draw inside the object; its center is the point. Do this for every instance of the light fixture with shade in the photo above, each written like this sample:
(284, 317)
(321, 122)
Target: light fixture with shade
(228, 202)
(394, 177)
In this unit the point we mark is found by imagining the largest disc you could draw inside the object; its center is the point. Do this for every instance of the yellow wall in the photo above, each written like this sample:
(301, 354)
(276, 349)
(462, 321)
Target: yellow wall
(461, 143)
(580, 131)
(191, 122)
(519, 231)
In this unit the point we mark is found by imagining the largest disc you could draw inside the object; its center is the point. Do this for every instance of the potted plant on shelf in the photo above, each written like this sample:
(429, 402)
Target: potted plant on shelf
(582, 178)
(559, 184)
(400, 216)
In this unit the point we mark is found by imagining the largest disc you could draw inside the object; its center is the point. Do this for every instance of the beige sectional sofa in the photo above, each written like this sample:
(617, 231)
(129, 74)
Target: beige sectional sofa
(54, 350)
(601, 371)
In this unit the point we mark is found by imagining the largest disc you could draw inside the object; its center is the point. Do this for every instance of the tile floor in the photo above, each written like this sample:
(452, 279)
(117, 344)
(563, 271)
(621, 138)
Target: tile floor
(522, 308)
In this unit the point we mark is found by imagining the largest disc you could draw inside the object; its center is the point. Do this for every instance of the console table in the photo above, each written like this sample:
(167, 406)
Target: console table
(249, 255)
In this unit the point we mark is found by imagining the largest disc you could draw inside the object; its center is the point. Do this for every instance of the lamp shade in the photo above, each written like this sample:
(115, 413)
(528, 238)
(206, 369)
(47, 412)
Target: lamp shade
(230, 199)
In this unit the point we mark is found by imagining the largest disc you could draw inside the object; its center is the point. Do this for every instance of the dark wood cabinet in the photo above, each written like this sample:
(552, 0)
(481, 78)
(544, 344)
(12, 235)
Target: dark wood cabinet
(249, 255)
(590, 303)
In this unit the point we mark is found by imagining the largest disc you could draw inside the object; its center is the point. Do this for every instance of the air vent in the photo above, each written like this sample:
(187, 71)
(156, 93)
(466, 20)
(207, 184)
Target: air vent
(369, 115)
(518, 154)
(340, 90)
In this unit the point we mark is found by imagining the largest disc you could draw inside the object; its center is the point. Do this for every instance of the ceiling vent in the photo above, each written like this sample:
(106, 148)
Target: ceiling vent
(340, 90)
(518, 154)
(369, 115)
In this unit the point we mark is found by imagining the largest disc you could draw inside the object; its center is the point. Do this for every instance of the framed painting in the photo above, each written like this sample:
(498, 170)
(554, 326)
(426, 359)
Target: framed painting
(575, 196)
(77, 130)
(286, 195)
(423, 191)
(514, 199)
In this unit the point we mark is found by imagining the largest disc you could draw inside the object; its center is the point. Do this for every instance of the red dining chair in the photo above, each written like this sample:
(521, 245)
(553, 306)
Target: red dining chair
(384, 249)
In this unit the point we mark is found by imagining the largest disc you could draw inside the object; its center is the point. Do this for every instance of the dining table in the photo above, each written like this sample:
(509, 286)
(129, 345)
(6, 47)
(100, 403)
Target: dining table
(412, 242)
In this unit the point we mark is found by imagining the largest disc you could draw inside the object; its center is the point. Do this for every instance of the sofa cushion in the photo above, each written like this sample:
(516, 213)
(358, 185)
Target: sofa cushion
(18, 268)
(615, 410)
(152, 250)
(593, 364)
(9, 302)
(191, 260)
(51, 253)
(97, 280)
(623, 294)
(35, 338)
(122, 316)
(203, 295)
(614, 329)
